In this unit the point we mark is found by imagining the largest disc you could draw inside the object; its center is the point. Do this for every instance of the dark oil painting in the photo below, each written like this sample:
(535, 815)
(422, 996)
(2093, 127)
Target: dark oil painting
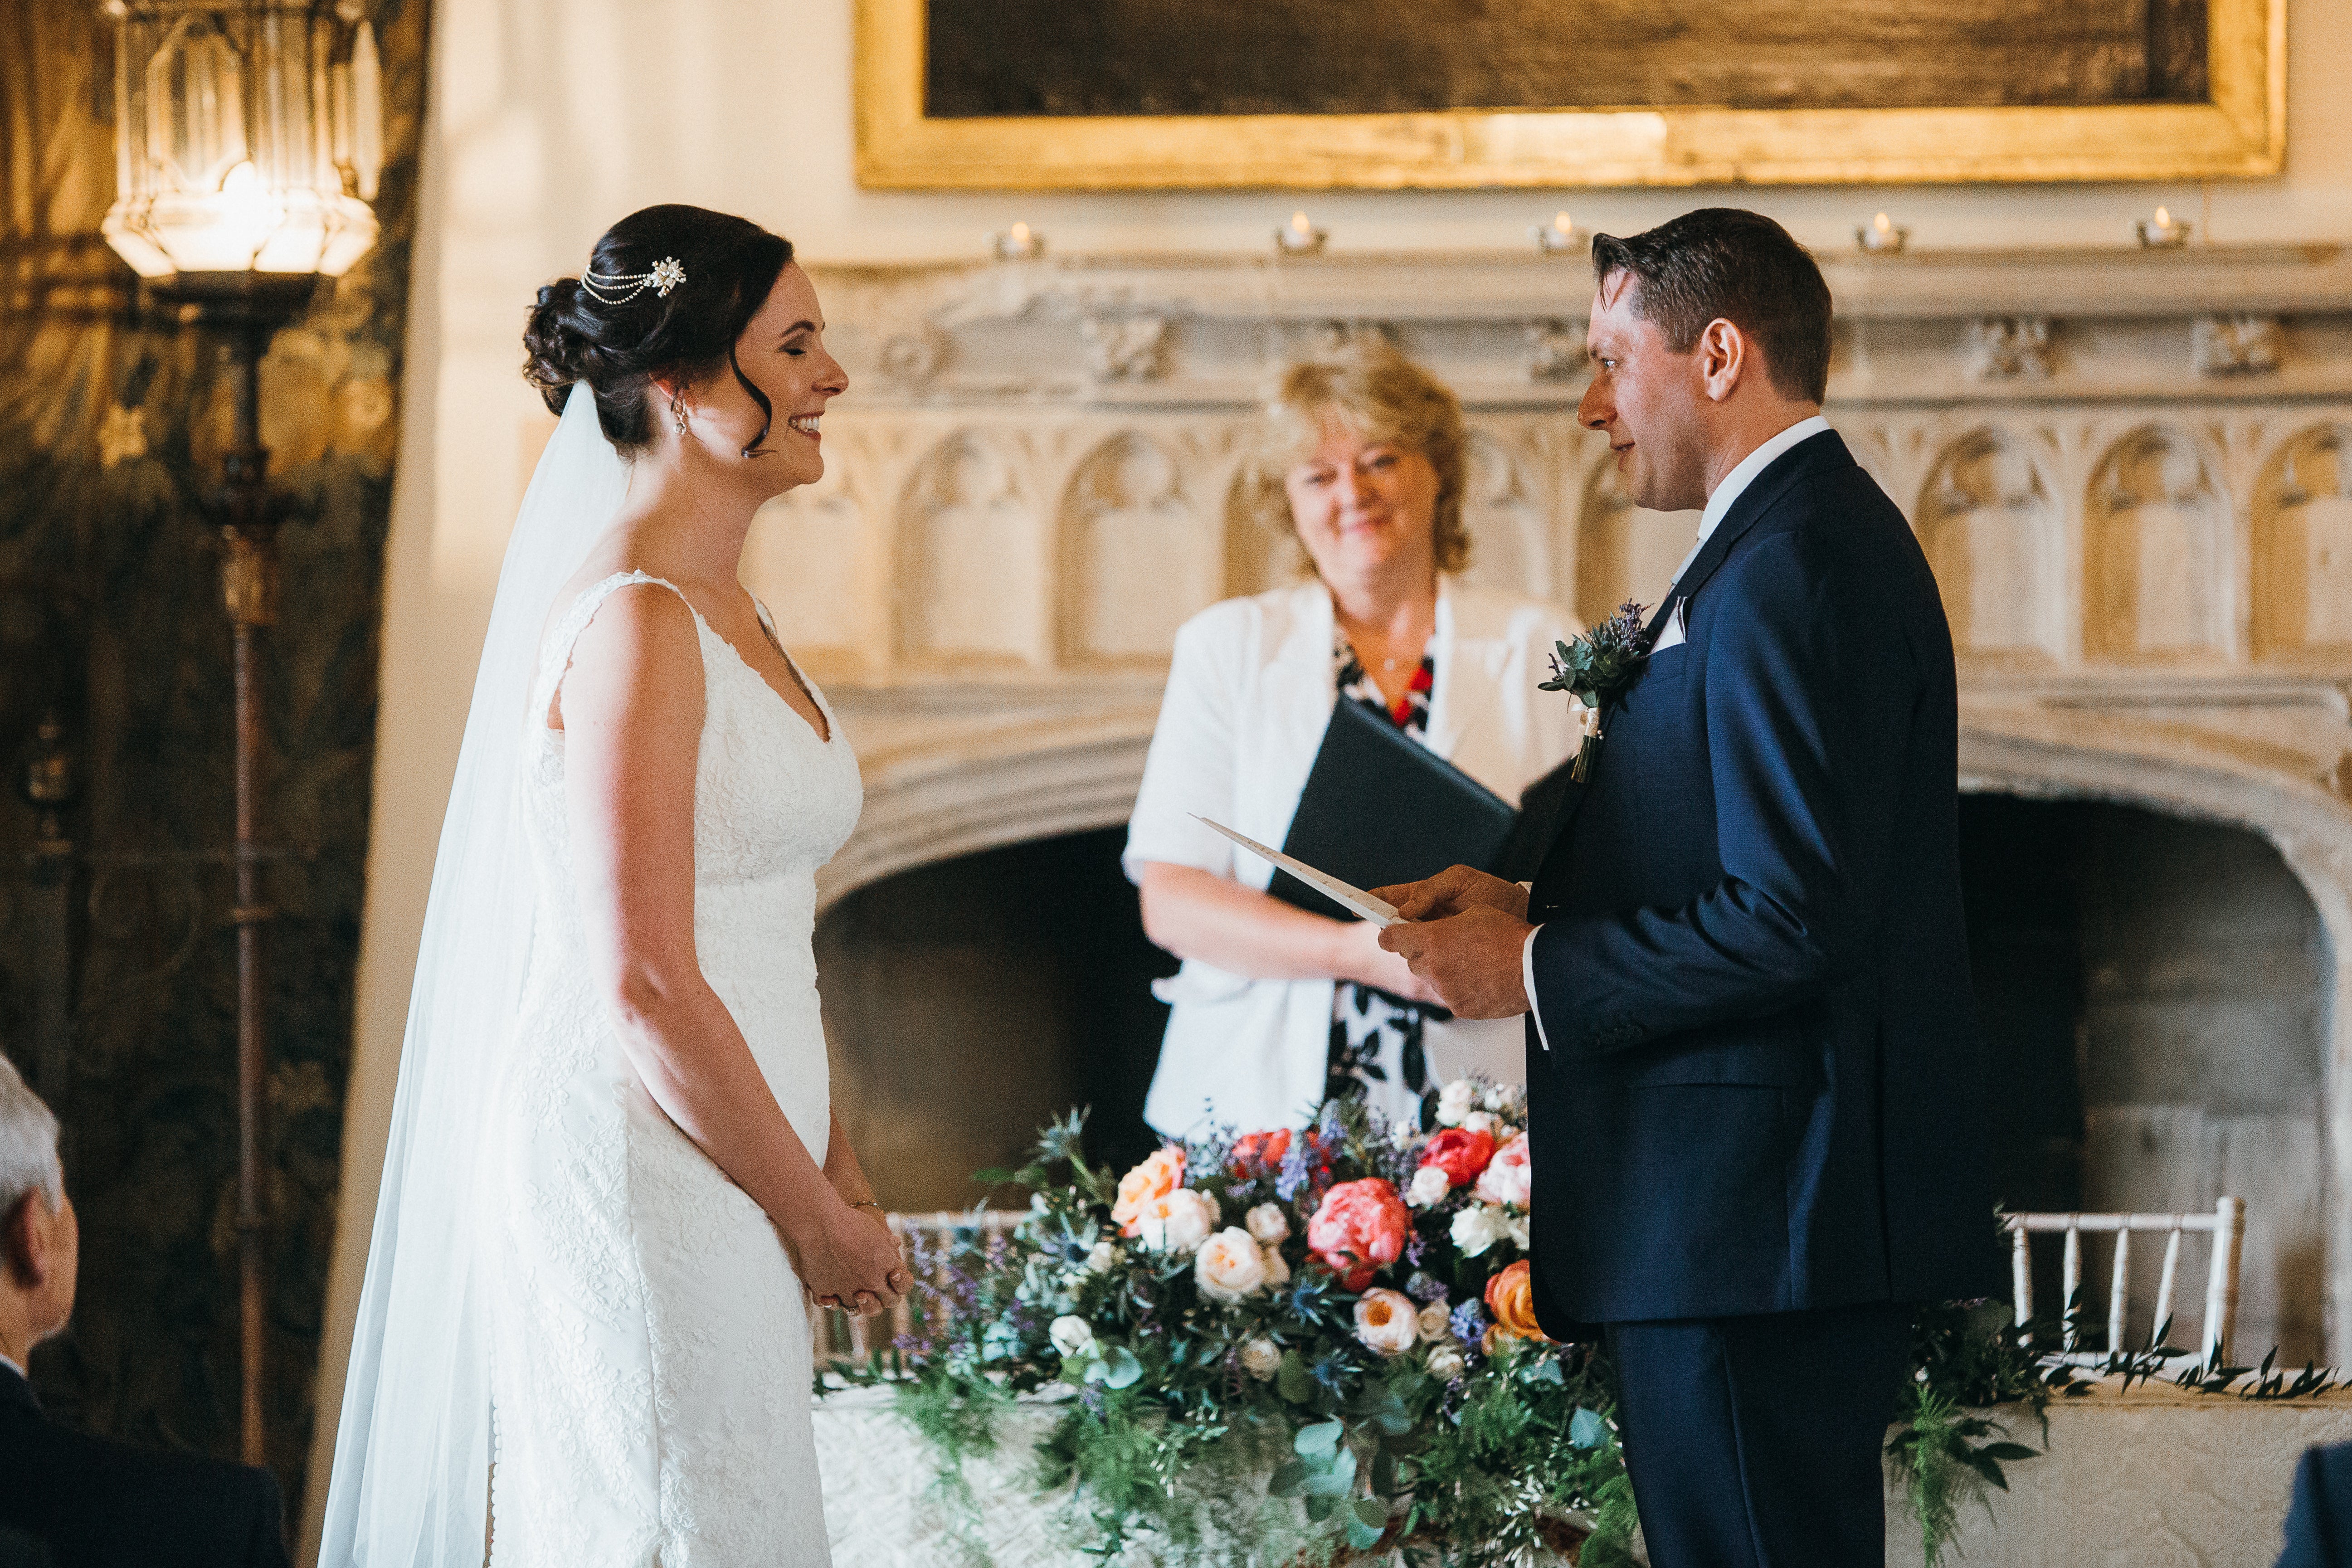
(988, 59)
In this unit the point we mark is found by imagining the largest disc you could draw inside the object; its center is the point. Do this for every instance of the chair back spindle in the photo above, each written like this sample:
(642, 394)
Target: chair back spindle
(2225, 1224)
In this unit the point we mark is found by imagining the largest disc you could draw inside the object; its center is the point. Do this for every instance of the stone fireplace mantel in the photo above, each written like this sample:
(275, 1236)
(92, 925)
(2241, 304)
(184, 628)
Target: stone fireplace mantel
(2132, 471)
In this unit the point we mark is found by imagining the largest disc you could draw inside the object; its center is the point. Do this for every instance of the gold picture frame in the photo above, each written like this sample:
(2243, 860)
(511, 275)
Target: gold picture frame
(2240, 132)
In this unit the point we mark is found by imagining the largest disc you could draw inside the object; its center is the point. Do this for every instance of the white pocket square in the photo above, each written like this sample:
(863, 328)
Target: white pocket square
(1675, 632)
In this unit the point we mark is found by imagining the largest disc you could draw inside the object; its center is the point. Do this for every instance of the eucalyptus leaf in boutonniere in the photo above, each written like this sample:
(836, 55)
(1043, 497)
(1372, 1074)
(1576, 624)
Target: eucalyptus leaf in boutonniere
(1592, 670)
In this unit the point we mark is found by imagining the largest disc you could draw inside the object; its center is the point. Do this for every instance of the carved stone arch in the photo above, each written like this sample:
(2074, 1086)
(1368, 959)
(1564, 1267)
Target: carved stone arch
(1261, 551)
(2157, 555)
(2303, 546)
(1138, 557)
(805, 557)
(1621, 551)
(2077, 755)
(1504, 513)
(1987, 517)
(970, 583)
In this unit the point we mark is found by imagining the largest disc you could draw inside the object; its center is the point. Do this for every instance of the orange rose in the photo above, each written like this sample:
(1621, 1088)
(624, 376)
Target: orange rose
(1256, 1151)
(1511, 1298)
(1161, 1174)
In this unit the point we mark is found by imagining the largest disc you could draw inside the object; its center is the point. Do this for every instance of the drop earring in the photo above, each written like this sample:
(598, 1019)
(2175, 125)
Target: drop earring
(678, 415)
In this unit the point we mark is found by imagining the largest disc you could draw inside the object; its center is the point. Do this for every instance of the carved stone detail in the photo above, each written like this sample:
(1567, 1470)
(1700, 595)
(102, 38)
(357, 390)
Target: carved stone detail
(1136, 561)
(971, 583)
(1624, 553)
(1992, 533)
(2236, 345)
(1510, 544)
(911, 360)
(1128, 348)
(2009, 348)
(1555, 351)
(2157, 542)
(2303, 546)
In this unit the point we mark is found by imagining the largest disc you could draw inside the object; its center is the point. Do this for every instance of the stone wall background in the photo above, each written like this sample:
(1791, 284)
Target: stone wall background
(113, 417)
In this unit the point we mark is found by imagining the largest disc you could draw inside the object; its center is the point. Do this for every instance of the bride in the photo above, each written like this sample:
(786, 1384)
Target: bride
(614, 1169)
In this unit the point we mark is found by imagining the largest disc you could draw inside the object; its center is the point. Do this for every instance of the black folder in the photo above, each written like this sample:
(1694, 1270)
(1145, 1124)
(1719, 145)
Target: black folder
(1380, 808)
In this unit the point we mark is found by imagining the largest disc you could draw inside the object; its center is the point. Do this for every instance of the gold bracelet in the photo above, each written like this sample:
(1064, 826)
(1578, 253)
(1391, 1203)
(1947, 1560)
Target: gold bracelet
(869, 1204)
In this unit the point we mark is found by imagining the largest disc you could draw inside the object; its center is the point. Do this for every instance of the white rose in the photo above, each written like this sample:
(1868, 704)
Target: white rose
(1102, 1257)
(1435, 1322)
(1229, 1265)
(1178, 1222)
(1269, 1224)
(1522, 1232)
(1478, 1227)
(1261, 1358)
(1446, 1363)
(1457, 1101)
(1486, 1121)
(1387, 1320)
(1072, 1336)
(1277, 1272)
(1428, 1187)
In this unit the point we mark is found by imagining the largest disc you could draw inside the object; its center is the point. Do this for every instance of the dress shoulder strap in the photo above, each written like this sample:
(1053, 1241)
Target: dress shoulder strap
(555, 655)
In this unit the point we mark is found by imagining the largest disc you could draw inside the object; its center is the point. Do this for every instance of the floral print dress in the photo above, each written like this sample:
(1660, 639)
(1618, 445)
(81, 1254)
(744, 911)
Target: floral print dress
(1376, 1049)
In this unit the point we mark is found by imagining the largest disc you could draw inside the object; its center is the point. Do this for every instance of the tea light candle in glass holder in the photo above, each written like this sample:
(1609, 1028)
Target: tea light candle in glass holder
(1558, 235)
(1019, 243)
(1882, 235)
(1300, 237)
(2162, 232)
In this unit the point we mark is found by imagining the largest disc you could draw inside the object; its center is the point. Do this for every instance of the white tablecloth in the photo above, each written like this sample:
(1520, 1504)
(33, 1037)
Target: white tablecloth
(2152, 1480)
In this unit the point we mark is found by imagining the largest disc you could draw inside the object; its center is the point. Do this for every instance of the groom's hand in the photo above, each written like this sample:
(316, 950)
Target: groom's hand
(1451, 890)
(1472, 959)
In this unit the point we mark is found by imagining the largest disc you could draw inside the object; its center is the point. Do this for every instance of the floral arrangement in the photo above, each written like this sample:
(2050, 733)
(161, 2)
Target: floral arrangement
(1289, 1347)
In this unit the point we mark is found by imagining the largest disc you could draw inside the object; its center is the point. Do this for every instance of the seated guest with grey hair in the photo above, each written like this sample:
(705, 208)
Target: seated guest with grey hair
(93, 1502)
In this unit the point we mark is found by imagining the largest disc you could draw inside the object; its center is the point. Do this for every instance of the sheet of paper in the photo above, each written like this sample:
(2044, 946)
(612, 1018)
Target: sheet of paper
(1355, 898)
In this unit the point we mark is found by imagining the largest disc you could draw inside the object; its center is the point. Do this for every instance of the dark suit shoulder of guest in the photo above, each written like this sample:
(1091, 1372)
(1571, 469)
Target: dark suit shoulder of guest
(98, 1503)
(2319, 1520)
(1763, 1087)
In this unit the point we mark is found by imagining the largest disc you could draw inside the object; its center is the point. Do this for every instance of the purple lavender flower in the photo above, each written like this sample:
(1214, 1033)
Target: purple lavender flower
(1468, 1323)
(1415, 1249)
(1293, 1175)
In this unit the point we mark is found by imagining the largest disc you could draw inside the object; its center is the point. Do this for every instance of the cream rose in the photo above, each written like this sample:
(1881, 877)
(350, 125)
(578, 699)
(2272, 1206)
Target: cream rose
(1277, 1272)
(1435, 1322)
(1268, 1223)
(1229, 1265)
(1484, 1122)
(1505, 1178)
(1178, 1221)
(1428, 1187)
(1447, 1362)
(1388, 1322)
(1261, 1358)
(1478, 1227)
(1102, 1257)
(1072, 1336)
(1457, 1101)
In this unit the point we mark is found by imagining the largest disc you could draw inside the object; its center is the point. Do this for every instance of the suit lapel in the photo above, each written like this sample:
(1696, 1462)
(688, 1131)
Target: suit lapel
(1824, 450)
(16, 1393)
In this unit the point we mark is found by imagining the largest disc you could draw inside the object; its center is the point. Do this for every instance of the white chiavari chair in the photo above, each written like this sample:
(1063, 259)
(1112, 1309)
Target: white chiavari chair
(2226, 1225)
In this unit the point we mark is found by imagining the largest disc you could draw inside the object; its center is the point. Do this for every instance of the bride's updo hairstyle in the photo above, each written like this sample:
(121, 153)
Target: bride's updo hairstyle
(620, 344)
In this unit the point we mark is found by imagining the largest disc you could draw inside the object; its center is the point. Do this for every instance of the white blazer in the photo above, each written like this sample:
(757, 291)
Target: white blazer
(1250, 692)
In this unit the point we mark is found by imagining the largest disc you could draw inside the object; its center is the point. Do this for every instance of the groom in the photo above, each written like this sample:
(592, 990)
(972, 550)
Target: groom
(1752, 1054)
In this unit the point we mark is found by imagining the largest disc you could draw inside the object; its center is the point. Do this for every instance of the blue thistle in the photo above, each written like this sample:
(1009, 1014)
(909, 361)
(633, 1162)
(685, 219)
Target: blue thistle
(1468, 1323)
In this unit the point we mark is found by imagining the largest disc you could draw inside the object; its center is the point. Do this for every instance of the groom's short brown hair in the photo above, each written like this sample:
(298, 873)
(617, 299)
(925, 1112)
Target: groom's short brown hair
(1741, 266)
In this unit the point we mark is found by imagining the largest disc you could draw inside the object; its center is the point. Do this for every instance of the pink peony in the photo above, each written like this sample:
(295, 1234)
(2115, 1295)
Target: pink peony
(1460, 1153)
(1360, 1226)
(1161, 1174)
(1505, 1178)
(1256, 1151)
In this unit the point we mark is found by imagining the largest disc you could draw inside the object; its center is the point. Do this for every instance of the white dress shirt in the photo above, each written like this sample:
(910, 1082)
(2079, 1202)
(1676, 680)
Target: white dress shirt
(1735, 485)
(12, 1366)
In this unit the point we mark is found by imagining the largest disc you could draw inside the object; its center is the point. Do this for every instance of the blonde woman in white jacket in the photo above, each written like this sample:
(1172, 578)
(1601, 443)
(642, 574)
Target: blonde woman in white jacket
(1275, 1008)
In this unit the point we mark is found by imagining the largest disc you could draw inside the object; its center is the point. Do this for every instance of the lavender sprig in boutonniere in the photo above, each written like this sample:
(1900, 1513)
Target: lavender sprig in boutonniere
(1592, 670)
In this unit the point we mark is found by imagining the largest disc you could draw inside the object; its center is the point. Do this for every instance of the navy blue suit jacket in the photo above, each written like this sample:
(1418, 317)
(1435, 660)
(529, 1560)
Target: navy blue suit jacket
(1763, 1087)
(2319, 1521)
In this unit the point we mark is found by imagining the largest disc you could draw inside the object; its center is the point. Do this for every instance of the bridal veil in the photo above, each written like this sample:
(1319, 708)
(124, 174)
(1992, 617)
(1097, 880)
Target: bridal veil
(410, 1488)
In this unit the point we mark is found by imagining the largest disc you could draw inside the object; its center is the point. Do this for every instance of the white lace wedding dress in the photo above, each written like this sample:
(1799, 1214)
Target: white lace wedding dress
(650, 1361)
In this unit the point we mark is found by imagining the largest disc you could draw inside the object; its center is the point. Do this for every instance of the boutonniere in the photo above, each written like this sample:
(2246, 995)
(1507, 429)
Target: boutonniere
(1592, 670)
